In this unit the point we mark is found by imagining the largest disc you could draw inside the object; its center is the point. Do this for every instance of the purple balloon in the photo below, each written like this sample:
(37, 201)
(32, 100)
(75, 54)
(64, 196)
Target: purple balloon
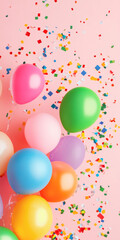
(70, 149)
(1, 208)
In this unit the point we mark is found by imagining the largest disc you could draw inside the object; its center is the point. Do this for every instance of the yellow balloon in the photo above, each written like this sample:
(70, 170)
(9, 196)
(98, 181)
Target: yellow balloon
(32, 218)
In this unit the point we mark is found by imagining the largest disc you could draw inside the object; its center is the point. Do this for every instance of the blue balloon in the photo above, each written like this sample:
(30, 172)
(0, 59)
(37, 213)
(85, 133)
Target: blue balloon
(29, 171)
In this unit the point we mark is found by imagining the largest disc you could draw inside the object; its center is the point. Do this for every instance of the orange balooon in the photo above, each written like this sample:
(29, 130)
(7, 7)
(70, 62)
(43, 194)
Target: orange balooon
(62, 184)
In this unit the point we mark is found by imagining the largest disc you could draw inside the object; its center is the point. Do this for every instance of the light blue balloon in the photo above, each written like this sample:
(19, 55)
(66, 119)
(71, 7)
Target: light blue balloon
(29, 171)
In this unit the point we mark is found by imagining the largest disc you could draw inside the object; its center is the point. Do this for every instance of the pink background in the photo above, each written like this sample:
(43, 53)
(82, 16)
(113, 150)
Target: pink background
(95, 29)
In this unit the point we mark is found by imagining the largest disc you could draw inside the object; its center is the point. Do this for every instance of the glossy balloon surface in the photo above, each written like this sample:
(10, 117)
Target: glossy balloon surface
(6, 152)
(29, 170)
(62, 184)
(27, 83)
(43, 132)
(6, 234)
(79, 109)
(70, 149)
(32, 218)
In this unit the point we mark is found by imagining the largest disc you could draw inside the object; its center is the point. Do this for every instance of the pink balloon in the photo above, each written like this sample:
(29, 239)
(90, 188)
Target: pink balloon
(27, 83)
(43, 132)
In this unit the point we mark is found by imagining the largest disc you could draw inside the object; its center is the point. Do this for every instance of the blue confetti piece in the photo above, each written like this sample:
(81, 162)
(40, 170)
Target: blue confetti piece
(83, 73)
(97, 67)
(44, 97)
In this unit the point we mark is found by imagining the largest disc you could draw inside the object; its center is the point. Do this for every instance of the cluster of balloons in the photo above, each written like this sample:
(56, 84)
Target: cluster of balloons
(30, 170)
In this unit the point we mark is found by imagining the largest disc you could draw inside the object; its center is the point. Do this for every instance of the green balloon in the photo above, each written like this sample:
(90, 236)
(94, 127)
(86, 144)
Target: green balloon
(6, 234)
(79, 109)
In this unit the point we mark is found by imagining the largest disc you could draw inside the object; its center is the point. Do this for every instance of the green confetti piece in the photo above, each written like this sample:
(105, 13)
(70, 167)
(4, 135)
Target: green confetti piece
(110, 146)
(55, 75)
(112, 46)
(63, 48)
(62, 211)
(105, 235)
(88, 221)
(83, 173)
(59, 90)
(103, 106)
(7, 115)
(102, 189)
(112, 61)
(46, 17)
(71, 27)
(36, 18)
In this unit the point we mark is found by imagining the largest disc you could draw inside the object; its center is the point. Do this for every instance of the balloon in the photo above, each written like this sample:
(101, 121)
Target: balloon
(6, 234)
(43, 132)
(27, 83)
(1, 208)
(6, 152)
(62, 184)
(29, 170)
(0, 88)
(79, 109)
(32, 218)
(70, 149)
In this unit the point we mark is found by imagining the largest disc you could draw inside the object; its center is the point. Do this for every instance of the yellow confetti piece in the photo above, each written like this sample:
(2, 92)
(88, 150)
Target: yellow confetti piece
(103, 64)
(69, 42)
(99, 147)
(70, 63)
(75, 212)
(93, 78)
(92, 172)
(44, 71)
(103, 211)
(60, 88)
(87, 170)
(22, 41)
(91, 164)
(26, 25)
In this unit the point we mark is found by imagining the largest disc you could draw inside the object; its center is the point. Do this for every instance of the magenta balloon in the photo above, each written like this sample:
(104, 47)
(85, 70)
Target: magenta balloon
(1, 208)
(27, 83)
(70, 149)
